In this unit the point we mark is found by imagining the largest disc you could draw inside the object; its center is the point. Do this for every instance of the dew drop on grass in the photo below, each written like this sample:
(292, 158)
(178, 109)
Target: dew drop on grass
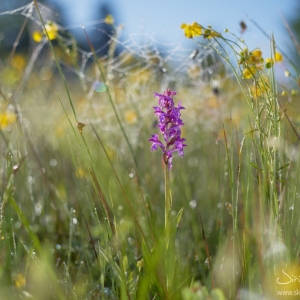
(26, 294)
(106, 291)
(131, 174)
(193, 204)
(45, 73)
(53, 162)
(74, 221)
(48, 219)
(291, 207)
(120, 207)
(17, 225)
(38, 209)
(58, 246)
(30, 180)
(99, 86)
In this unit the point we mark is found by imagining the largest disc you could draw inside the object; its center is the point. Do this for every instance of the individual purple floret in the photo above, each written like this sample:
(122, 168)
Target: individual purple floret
(169, 123)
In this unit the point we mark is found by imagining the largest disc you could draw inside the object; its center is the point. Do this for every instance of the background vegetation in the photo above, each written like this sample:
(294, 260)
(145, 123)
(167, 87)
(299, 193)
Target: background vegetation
(82, 207)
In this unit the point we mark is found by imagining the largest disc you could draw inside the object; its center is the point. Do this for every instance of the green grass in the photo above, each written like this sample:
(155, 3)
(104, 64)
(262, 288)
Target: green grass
(83, 214)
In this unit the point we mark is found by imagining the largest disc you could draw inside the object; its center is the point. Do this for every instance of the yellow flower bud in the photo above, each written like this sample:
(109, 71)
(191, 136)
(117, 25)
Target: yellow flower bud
(37, 36)
(52, 30)
(109, 20)
(269, 63)
(278, 57)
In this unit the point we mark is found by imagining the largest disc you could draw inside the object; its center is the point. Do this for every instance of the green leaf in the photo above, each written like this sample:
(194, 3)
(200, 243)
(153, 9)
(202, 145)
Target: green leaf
(284, 166)
(255, 166)
(178, 217)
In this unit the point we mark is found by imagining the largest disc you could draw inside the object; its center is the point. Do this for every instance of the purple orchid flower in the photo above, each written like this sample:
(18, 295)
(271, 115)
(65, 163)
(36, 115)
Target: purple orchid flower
(170, 124)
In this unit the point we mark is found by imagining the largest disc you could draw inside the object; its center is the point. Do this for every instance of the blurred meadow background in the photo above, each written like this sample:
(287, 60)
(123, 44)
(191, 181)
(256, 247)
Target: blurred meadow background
(83, 197)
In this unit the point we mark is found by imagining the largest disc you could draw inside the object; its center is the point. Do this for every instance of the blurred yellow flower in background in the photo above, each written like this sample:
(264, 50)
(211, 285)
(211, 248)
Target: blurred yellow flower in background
(20, 280)
(249, 72)
(278, 57)
(6, 119)
(191, 30)
(52, 30)
(37, 36)
(81, 172)
(130, 117)
(255, 56)
(209, 33)
(18, 62)
(271, 61)
(109, 19)
(257, 53)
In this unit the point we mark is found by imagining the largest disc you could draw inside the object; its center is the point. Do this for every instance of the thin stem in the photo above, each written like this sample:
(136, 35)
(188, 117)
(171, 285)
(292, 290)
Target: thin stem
(56, 61)
(168, 201)
(111, 100)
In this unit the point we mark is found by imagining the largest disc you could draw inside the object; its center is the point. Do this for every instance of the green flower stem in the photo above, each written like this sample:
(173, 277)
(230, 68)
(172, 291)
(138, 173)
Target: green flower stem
(169, 233)
(168, 204)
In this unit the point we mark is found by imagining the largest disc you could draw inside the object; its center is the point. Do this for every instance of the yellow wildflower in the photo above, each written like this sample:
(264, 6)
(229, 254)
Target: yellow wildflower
(19, 280)
(59, 131)
(7, 119)
(269, 62)
(294, 92)
(130, 117)
(251, 58)
(18, 62)
(278, 57)
(257, 53)
(249, 72)
(37, 36)
(191, 30)
(80, 172)
(256, 56)
(109, 20)
(260, 86)
(244, 56)
(52, 30)
(209, 33)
